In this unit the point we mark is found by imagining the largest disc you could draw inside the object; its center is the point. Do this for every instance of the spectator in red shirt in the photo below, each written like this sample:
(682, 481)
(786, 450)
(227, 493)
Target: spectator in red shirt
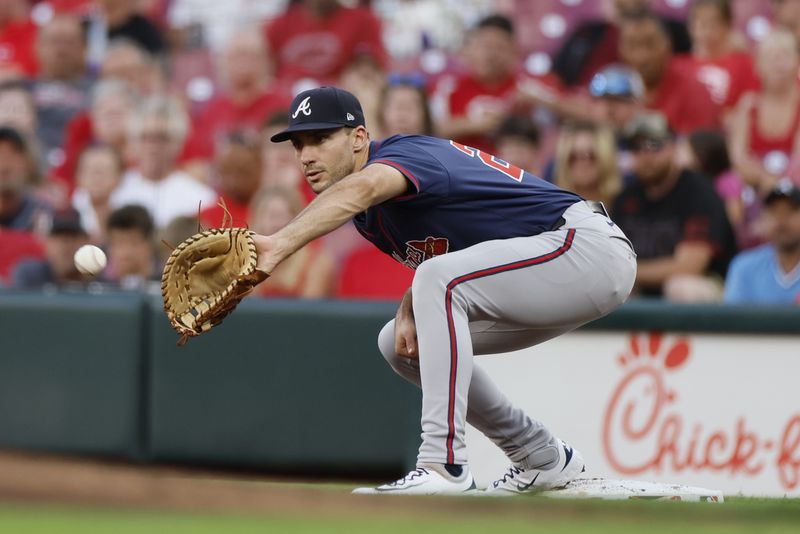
(669, 88)
(765, 131)
(317, 39)
(248, 96)
(469, 106)
(726, 72)
(238, 169)
(17, 41)
(595, 43)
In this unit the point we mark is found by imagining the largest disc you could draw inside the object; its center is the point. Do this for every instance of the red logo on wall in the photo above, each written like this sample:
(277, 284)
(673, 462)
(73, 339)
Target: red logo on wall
(646, 429)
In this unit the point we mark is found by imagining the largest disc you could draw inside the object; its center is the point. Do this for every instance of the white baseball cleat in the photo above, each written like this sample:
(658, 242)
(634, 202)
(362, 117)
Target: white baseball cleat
(426, 480)
(519, 479)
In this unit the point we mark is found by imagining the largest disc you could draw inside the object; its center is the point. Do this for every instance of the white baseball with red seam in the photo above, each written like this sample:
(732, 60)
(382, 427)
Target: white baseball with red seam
(90, 260)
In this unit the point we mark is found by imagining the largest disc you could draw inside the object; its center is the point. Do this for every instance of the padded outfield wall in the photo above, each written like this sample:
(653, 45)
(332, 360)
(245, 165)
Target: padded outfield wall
(704, 395)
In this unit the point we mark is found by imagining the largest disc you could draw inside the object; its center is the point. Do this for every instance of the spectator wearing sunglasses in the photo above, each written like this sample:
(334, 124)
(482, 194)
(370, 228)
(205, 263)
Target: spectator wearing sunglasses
(674, 218)
(586, 162)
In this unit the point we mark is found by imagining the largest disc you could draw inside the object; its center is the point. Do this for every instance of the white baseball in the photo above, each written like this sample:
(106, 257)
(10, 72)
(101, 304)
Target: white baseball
(90, 260)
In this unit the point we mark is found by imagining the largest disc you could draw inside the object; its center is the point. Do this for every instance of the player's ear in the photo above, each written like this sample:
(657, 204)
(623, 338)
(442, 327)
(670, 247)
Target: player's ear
(360, 138)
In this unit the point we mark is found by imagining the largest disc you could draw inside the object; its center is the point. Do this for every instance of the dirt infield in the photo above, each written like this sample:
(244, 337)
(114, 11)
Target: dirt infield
(28, 477)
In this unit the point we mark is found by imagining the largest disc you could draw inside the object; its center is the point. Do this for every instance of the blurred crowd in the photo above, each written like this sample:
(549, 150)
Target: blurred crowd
(124, 122)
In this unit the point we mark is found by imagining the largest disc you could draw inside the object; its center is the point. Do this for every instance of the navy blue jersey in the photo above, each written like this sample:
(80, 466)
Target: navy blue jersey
(460, 197)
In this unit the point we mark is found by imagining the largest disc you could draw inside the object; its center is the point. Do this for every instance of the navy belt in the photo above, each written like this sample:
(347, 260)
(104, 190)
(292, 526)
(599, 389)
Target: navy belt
(594, 205)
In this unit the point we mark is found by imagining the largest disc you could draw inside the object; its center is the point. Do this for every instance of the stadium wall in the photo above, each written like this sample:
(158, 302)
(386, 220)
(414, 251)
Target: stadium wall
(701, 395)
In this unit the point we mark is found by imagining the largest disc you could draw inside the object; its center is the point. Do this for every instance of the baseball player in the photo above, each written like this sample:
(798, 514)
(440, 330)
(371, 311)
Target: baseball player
(503, 259)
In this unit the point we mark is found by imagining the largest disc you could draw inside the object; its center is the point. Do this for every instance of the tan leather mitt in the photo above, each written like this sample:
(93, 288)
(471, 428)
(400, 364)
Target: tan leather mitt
(206, 277)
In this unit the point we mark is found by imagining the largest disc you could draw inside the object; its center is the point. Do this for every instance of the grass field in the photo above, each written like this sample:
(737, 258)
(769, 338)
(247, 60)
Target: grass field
(465, 516)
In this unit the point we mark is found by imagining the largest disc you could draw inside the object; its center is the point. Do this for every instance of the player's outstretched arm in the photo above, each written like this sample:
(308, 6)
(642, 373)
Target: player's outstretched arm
(332, 208)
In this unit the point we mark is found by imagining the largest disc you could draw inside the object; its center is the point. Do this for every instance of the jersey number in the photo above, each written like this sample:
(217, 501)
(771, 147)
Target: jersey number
(497, 164)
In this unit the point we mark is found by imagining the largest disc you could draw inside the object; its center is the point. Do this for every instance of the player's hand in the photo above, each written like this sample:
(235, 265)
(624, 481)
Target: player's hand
(405, 338)
(405, 329)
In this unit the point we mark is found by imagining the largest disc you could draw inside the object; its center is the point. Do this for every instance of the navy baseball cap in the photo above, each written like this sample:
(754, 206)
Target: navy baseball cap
(323, 108)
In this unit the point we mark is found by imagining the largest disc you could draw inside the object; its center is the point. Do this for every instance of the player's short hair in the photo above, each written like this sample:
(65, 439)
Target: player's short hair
(497, 21)
(521, 127)
(132, 217)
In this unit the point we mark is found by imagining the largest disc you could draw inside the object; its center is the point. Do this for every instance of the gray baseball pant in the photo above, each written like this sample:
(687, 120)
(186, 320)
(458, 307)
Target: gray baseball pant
(499, 296)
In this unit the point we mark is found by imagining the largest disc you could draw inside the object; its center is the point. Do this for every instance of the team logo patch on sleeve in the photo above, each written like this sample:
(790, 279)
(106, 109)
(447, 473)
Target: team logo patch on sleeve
(419, 251)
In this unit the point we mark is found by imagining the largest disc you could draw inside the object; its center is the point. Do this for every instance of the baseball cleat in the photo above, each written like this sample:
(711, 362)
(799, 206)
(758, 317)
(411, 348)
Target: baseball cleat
(519, 479)
(426, 480)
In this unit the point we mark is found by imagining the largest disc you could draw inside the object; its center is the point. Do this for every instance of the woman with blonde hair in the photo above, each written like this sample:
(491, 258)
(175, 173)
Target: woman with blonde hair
(310, 272)
(586, 162)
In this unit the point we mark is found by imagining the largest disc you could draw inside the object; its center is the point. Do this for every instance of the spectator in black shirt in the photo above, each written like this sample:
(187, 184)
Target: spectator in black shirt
(674, 218)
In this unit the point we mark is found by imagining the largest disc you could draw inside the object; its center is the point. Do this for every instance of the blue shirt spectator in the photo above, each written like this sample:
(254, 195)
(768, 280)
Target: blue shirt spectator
(770, 274)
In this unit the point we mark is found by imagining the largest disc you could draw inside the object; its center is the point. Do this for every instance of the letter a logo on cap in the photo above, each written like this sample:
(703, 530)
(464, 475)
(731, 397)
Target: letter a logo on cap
(305, 107)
